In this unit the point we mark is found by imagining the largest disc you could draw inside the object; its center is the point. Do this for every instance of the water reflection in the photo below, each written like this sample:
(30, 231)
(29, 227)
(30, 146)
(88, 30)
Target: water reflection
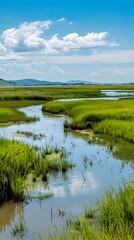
(114, 93)
(83, 183)
(97, 169)
(8, 213)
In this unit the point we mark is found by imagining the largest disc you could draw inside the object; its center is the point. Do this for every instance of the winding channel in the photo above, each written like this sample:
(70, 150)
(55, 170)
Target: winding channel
(80, 187)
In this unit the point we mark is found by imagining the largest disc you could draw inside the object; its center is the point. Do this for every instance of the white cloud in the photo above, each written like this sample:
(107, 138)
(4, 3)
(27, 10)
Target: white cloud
(61, 20)
(74, 41)
(26, 37)
(10, 57)
(2, 49)
(30, 37)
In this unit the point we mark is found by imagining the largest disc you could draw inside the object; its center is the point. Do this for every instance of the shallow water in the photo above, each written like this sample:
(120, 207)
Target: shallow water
(109, 95)
(79, 187)
(118, 93)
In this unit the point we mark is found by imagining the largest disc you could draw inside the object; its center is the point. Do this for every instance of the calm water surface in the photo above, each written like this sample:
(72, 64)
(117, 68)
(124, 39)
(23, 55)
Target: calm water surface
(79, 187)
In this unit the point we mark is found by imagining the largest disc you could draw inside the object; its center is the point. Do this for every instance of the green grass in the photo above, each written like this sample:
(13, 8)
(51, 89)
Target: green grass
(49, 93)
(115, 118)
(8, 115)
(17, 161)
(116, 128)
(19, 103)
(113, 218)
(56, 92)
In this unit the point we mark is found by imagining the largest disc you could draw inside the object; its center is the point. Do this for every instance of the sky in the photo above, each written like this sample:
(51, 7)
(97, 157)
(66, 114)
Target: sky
(61, 40)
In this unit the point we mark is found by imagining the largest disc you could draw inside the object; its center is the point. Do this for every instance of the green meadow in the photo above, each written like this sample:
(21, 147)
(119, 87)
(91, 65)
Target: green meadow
(115, 118)
(57, 92)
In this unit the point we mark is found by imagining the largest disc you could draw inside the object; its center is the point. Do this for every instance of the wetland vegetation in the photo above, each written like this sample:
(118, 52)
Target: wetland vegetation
(9, 111)
(57, 92)
(113, 216)
(115, 118)
(17, 161)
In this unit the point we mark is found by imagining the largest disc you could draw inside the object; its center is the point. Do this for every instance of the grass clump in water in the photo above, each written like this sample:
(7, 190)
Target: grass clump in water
(17, 161)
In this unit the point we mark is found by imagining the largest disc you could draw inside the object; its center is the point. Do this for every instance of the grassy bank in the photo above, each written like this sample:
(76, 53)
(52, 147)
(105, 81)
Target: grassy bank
(115, 118)
(17, 161)
(117, 128)
(113, 218)
(9, 113)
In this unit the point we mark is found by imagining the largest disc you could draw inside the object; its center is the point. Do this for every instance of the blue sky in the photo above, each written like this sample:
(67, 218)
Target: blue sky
(61, 40)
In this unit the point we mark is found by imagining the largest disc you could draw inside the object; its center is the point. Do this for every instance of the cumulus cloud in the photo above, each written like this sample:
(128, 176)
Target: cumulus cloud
(74, 41)
(31, 37)
(26, 37)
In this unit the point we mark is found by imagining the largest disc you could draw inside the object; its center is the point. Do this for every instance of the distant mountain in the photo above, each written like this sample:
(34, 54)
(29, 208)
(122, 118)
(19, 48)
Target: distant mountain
(5, 83)
(79, 82)
(34, 82)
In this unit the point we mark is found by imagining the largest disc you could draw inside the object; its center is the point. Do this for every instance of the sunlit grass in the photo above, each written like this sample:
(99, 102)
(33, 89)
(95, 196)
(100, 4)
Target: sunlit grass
(113, 218)
(116, 128)
(115, 118)
(8, 115)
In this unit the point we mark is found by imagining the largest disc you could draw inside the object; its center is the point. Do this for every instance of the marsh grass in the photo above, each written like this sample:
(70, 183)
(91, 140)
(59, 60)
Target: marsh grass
(49, 93)
(115, 118)
(17, 161)
(9, 112)
(8, 115)
(116, 128)
(113, 218)
(56, 92)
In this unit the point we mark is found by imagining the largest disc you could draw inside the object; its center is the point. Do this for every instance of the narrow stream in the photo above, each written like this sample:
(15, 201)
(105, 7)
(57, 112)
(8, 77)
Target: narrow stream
(79, 187)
